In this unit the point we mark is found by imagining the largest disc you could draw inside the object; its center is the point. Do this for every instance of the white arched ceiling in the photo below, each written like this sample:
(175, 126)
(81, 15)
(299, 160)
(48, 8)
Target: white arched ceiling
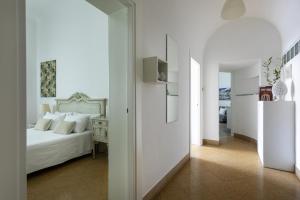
(283, 14)
(247, 39)
(199, 19)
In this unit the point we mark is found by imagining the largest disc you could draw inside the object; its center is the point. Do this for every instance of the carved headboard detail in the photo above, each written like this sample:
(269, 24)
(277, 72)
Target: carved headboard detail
(81, 103)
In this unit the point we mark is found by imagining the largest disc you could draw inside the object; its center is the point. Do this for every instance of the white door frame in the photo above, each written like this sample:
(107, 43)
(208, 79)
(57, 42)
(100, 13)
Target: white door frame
(131, 84)
(131, 93)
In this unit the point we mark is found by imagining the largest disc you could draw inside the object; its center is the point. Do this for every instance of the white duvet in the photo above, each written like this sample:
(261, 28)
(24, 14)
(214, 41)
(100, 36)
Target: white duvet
(46, 149)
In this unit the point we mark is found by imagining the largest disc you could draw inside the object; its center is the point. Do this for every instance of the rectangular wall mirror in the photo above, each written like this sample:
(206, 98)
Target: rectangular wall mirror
(172, 84)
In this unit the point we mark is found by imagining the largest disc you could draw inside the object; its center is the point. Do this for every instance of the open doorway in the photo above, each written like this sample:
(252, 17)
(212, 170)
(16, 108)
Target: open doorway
(195, 103)
(238, 96)
(224, 104)
(80, 95)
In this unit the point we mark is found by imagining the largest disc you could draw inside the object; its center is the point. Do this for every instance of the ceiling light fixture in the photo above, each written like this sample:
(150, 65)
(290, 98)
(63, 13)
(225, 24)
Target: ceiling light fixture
(233, 9)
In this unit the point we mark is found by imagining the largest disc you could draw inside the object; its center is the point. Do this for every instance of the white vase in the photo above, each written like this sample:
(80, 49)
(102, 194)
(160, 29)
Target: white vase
(279, 90)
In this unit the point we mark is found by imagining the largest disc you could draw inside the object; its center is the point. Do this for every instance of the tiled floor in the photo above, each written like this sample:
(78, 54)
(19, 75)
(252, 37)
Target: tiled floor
(79, 179)
(230, 172)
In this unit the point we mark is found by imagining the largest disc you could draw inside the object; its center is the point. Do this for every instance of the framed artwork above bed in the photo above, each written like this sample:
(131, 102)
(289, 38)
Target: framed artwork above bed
(48, 79)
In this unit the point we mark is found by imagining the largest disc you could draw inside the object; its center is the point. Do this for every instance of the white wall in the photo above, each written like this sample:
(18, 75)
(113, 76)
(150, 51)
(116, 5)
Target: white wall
(296, 80)
(244, 108)
(289, 16)
(224, 79)
(164, 145)
(290, 35)
(31, 73)
(78, 41)
(245, 39)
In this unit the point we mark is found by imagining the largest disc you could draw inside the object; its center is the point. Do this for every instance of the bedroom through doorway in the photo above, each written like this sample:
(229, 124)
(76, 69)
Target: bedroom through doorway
(80, 99)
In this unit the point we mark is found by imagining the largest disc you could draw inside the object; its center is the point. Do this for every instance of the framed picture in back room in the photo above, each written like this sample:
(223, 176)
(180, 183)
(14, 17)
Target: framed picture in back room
(265, 93)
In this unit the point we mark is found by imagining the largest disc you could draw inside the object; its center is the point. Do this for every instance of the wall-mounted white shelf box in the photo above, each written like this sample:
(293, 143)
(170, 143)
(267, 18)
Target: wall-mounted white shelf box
(153, 66)
(276, 134)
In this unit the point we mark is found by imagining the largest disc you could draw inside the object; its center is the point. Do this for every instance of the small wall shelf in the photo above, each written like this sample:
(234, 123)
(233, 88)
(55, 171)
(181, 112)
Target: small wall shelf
(155, 70)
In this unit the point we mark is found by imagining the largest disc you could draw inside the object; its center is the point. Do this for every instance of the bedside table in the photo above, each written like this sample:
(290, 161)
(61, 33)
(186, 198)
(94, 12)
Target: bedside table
(100, 134)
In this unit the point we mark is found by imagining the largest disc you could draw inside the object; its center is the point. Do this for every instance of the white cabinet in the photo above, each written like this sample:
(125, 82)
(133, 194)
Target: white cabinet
(276, 134)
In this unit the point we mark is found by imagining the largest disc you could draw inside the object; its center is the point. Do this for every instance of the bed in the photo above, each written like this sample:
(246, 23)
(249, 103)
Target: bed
(223, 114)
(46, 148)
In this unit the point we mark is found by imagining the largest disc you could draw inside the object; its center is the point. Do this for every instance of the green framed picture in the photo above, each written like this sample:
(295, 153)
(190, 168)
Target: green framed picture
(48, 79)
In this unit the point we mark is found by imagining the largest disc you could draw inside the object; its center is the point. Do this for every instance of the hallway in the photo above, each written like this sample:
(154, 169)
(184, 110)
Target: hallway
(230, 172)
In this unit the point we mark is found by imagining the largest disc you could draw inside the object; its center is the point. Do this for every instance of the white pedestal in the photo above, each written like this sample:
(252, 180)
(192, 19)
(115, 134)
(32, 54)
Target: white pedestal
(276, 134)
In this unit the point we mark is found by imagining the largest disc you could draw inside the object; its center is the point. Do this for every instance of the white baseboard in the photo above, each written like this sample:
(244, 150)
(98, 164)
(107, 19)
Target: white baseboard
(210, 142)
(165, 180)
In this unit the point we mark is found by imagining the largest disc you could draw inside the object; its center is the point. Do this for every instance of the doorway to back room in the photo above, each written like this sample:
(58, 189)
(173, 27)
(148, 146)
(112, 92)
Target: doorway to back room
(224, 104)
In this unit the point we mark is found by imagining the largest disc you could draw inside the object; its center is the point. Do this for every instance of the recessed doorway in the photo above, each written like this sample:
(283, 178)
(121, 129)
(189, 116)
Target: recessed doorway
(224, 105)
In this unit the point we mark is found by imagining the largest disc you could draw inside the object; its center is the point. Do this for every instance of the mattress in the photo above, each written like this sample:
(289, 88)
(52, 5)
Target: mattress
(46, 149)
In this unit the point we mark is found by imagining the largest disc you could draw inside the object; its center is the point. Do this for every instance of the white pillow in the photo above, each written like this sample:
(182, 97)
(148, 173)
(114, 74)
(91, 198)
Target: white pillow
(63, 113)
(43, 124)
(64, 127)
(56, 118)
(81, 122)
(222, 111)
(90, 116)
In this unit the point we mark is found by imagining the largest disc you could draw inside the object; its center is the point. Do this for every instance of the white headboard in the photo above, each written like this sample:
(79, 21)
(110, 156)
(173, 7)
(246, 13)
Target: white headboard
(81, 103)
